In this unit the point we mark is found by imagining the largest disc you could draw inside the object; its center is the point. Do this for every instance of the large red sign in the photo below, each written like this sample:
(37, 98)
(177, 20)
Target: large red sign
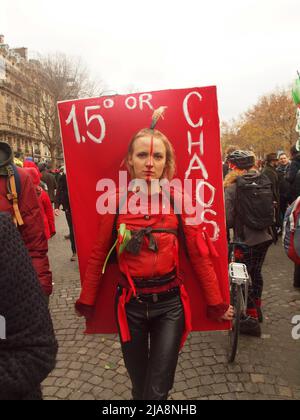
(96, 133)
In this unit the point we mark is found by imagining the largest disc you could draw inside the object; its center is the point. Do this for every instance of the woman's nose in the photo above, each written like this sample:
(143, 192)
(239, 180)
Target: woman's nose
(150, 162)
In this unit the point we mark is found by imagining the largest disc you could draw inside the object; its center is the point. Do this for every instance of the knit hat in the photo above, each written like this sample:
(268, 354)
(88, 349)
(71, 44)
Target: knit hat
(271, 156)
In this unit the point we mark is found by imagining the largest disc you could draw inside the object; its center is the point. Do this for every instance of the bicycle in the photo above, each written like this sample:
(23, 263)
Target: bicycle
(239, 288)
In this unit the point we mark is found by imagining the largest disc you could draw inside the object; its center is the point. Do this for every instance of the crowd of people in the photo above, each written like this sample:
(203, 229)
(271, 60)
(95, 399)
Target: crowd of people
(152, 306)
(276, 184)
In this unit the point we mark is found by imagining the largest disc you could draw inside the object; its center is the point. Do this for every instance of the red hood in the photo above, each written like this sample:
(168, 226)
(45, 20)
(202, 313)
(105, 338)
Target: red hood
(34, 174)
(30, 164)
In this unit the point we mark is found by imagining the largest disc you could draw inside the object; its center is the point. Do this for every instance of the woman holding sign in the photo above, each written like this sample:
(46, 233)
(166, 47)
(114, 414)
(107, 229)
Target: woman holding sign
(152, 305)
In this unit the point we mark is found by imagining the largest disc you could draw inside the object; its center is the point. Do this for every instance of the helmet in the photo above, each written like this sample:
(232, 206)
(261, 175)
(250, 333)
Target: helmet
(243, 159)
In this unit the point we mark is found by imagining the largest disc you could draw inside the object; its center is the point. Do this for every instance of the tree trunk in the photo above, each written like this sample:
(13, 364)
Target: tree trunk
(52, 149)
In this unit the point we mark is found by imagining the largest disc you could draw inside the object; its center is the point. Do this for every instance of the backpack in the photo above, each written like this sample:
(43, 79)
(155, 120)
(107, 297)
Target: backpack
(254, 202)
(291, 232)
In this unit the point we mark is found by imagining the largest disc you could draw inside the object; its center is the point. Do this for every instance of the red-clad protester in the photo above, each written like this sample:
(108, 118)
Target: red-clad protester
(18, 197)
(152, 304)
(46, 207)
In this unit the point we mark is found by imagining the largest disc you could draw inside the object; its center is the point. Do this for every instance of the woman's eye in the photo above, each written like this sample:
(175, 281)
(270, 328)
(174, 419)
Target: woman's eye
(142, 155)
(158, 157)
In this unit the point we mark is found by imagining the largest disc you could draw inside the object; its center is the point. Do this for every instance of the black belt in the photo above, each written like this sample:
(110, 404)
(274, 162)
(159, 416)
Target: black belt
(142, 282)
(158, 297)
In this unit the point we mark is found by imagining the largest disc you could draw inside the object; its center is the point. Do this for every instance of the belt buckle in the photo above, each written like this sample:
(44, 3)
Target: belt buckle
(154, 297)
(138, 298)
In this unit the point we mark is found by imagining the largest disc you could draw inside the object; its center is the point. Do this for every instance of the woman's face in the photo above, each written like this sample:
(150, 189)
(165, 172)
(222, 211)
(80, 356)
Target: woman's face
(148, 159)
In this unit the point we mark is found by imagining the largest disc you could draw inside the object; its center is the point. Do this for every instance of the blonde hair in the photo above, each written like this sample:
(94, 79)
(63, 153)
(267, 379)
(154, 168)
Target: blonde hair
(170, 167)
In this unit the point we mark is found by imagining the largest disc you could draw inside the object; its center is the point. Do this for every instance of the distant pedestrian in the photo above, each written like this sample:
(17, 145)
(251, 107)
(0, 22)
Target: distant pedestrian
(229, 150)
(270, 170)
(49, 180)
(46, 207)
(246, 207)
(293, 174)
(62, 199)
(284, 186)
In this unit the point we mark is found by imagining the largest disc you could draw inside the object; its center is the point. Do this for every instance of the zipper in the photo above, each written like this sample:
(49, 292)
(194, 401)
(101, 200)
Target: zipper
(147, 311)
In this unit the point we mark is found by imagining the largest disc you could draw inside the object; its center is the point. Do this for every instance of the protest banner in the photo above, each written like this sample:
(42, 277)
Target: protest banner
(96, 133)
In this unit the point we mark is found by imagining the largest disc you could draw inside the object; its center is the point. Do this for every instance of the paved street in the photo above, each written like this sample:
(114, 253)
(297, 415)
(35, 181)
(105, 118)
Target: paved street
(91, 367)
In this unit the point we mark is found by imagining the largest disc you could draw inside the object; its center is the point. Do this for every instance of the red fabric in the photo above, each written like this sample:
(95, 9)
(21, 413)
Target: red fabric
(253, 313)
(150, 263)
(33, 230)
(97, 131)
(122, 317)
(44, 201)
(187, 315)
(84, 310)
(29, 164)
(292, 253)
(258, 303)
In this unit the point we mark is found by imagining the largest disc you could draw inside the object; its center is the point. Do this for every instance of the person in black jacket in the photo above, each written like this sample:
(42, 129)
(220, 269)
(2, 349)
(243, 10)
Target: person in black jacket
(28, 346)
(293, 174)
(270, 170)
(293, 177)
(284, 186)
(62, 199)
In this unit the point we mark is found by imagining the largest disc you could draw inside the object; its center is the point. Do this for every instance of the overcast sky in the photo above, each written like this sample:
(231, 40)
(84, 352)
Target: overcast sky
(246, 47)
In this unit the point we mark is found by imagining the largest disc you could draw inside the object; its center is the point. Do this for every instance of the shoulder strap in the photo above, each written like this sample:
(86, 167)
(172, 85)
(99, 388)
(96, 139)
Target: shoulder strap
(17, 180)
(14, 188)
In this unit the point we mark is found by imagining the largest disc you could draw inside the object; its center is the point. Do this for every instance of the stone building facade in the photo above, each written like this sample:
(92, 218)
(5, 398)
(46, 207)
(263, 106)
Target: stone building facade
(16, 109)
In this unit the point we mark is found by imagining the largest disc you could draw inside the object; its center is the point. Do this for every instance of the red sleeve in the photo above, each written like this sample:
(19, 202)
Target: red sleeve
(33, 231)
(96, 261)
(200, 251)
(203, 266)
(49, 212)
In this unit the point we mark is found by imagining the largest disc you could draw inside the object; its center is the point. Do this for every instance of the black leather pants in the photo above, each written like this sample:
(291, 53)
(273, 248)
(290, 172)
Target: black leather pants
(152, 354)
(297, 276)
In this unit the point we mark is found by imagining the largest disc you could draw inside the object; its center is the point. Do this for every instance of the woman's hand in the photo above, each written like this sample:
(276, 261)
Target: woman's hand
(84, 310)
(229, 314)
(57, 212)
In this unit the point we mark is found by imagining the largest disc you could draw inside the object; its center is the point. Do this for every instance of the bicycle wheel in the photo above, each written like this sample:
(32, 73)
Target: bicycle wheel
(236, 302)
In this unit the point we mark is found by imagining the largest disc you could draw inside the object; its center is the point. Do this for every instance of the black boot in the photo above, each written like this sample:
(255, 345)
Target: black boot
(250, 326)
(297, 276)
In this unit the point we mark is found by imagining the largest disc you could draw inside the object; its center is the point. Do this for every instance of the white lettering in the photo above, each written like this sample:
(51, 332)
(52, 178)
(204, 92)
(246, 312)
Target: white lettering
(186, 110)
(199, 165)
(106, 203)
(72, 117)
(145, 99)
(133, 100)
(108, 103)
(138, 202)
(2, 328)
(211, 222)
(200, 143)
(97, 117)
(296, 329)
(200, 193)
